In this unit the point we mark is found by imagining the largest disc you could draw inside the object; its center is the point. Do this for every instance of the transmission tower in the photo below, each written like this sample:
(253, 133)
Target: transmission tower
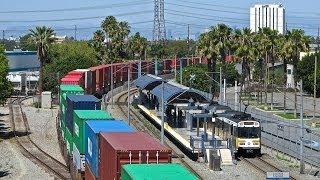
(159, 27)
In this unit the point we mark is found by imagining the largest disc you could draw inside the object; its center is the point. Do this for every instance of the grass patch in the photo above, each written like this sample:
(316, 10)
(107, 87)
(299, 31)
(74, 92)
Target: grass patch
(294, 165)
(283, 158)
(266, 107)
(289, 115)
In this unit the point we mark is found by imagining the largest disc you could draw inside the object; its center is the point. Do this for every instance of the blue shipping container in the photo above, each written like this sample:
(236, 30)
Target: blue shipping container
(92, 130)
(80, 102)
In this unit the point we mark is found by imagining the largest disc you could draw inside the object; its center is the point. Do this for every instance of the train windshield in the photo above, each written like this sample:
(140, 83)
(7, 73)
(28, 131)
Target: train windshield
(248, 132)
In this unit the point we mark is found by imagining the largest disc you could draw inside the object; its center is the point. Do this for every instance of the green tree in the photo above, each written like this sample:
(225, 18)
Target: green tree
(98, 44)
(305, 71)
(116, 32)
(245, 51)
(66, 57)
(195, 76)
(180, 48)
(5, 85)
(157, 51)
(223, 40)
(26, 43)
(138, 45)
(207, 48)
(43, 37)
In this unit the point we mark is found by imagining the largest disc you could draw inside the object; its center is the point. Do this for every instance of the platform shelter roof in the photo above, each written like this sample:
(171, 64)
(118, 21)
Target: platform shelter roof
(148, 82)
(174, 92)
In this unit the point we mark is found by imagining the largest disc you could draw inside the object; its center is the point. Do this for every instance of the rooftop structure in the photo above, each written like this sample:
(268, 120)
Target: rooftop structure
(267, 15)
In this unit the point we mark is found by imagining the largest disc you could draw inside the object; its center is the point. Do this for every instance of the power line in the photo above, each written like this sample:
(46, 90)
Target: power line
(73, 19)
(79, 8)
(232, 12)
(204, 18)
(237, 19)
(81, 28)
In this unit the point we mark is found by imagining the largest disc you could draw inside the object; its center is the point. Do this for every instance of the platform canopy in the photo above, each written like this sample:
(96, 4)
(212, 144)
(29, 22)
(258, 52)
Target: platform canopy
(148, 82)
(174, 92)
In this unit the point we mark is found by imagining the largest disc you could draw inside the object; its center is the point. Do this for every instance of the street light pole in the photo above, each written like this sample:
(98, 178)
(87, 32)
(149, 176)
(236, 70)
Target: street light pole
(162, 113)
(220, 83)
(129, 93)
(301, 133)
(315, 86)
(111, 75)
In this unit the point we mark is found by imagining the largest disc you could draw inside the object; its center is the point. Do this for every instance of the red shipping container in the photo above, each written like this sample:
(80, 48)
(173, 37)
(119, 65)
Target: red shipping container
(88, 175)
(75, 72)
(71, 80)
(97, 71)
(124, 148)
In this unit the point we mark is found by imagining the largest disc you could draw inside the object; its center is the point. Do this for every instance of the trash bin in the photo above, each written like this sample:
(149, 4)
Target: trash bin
(216, 162)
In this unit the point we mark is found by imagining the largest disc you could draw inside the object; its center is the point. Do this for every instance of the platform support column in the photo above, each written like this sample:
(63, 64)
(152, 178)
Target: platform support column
(162, 113)
(198, 124)
(236, 95)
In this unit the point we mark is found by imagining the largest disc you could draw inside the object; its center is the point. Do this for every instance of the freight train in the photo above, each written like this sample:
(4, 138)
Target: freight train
(97, 146)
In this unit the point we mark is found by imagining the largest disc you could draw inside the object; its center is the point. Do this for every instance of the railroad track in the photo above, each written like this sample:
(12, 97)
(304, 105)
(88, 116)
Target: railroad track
(262, 165)
(145, 126)
(32, 151)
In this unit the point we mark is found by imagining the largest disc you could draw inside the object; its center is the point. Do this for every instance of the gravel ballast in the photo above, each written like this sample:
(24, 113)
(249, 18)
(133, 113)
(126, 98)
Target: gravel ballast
(13, 164)
(42, 123)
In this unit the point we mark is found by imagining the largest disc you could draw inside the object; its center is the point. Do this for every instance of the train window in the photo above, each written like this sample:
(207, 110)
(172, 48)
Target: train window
(248, 132)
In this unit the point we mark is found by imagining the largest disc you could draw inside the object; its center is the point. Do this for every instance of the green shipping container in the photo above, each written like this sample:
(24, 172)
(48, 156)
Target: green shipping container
(79, 119)
(69, 140)
(155, 172)
(68, 89)
(64, 91)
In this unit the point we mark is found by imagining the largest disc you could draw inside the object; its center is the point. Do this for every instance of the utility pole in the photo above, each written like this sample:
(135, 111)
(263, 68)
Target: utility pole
(2, 35)
(315, 78)
(111, 85)
(220, 84)
(75, 32)
(162, 113)
(188, 40)
(175, 67)
(129, 93)
(302, 165)
(180, 63)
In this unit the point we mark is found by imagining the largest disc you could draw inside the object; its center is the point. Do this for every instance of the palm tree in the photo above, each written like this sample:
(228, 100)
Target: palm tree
(116, 32)
(207, 47)
(299, 42)
(245, 53)
(224, 36)
(98, 44)
(138, 44)
(283, 53)
(43, 37)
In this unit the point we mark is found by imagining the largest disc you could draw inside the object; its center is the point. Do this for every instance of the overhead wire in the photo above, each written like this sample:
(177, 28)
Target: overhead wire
(141, 2)
(74, 19)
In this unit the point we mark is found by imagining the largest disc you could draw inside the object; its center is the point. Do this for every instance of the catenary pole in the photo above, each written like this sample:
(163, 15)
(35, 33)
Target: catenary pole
(162, 113)
(302, 165)
(220, 84)
(129, 94)
(315, 78)
(111, 85)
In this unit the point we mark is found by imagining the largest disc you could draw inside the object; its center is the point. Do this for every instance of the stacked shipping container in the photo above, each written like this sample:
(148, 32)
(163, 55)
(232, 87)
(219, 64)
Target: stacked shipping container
(107, 145)
(92, 130)
(79, 119)
(117, 149)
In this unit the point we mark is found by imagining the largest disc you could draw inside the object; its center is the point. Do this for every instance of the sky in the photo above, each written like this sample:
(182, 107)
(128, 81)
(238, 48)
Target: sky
(17, 17)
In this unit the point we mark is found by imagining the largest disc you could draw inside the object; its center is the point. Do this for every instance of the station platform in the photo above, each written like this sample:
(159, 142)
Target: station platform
(183, 136)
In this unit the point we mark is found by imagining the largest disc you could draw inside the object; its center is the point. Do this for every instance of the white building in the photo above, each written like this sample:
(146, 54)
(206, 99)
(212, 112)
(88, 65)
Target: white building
(267, 15)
